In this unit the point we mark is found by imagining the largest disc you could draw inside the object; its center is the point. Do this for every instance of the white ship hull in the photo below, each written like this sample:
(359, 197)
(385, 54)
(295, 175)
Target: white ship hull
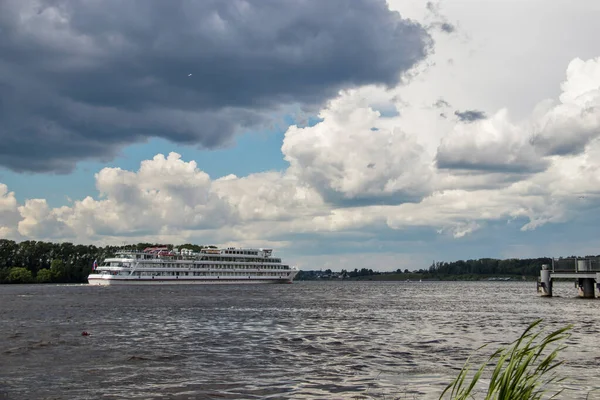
(99, 280)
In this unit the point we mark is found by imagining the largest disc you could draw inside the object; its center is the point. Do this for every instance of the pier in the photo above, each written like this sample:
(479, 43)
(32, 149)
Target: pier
(584, 271)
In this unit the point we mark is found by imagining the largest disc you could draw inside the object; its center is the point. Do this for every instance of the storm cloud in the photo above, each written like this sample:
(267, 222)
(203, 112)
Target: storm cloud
(79, 80)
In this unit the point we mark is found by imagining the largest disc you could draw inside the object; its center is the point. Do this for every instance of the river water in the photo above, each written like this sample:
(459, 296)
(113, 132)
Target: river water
(308, 340)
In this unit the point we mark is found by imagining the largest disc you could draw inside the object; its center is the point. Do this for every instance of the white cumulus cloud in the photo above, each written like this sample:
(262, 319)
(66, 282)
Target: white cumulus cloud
(569, 126)
(352, 157)
(9, 215)
(493, 145)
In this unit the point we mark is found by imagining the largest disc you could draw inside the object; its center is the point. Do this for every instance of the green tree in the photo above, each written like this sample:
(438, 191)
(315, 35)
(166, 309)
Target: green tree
(44, 276)
(4, 272)
(20, 275)
(58, 270)
(8, 252)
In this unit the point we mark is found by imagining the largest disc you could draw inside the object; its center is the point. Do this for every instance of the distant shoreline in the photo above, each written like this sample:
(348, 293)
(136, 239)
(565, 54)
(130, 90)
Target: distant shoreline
(403, 277)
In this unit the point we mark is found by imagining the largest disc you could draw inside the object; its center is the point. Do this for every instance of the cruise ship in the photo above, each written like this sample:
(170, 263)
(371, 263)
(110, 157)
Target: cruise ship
(159, 265)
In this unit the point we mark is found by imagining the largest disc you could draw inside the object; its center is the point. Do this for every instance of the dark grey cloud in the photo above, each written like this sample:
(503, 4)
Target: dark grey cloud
(470, 115)
(432, 7)
(447, 27)
(482, 164)
(442, 24)
(441, 103)
(80, 80)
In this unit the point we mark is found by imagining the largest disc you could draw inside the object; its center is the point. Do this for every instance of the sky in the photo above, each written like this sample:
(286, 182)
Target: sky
(342, 134)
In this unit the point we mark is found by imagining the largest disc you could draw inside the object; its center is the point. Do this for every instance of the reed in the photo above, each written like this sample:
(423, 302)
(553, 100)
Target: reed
(522, 371)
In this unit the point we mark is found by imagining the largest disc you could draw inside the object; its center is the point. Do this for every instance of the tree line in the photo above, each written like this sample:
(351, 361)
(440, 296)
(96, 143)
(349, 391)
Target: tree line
(490, 266)
(461, 269)
(45, 262)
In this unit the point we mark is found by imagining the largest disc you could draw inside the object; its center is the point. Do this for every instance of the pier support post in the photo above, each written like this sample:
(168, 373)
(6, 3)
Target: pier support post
(598, 282)
(586, 288)
(545, 282)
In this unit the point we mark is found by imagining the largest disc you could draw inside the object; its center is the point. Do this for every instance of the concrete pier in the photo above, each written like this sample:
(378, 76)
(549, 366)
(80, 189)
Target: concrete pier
(584, 271)
(586, 288)
(545, 283)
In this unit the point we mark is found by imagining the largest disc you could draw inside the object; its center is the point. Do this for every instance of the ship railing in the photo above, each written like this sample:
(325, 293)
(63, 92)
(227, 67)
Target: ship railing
(134, 267)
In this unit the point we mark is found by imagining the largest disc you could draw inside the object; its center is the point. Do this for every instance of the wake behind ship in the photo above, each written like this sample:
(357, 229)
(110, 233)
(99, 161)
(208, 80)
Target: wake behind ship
(158, 265)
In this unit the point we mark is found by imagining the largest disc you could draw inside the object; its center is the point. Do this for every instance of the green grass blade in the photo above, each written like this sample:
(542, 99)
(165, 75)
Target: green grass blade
(523, 371)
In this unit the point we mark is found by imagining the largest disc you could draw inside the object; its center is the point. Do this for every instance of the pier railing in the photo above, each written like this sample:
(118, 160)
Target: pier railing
(589, 264)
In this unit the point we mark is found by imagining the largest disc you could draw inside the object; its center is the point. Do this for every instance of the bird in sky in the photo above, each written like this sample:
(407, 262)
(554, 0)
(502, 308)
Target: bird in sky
(190, 75)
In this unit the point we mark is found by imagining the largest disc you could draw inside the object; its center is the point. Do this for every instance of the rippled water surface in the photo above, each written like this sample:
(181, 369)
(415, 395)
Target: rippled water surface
(331, 340)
